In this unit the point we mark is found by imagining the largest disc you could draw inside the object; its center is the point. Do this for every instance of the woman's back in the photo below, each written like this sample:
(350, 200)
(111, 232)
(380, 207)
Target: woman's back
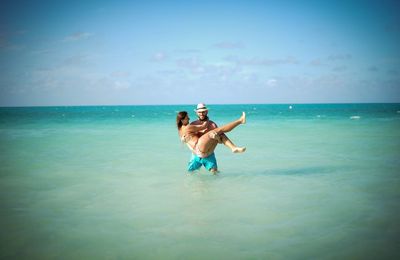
(189, 137)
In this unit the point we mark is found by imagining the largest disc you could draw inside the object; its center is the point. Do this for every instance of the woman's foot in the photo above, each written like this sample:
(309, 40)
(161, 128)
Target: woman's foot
(238, 149)
(243, 118)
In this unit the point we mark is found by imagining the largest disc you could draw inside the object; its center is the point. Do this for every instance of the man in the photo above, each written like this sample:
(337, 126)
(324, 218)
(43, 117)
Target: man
(210, 162)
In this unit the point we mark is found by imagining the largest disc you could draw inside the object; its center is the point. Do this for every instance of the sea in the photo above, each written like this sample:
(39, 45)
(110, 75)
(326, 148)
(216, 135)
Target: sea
(317, 181)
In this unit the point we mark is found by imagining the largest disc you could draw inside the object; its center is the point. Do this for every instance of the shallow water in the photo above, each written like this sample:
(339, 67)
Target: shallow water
(316, 181)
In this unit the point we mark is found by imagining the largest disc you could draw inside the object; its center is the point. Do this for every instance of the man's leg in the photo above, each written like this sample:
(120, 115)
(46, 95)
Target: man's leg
(210, 163)
(214, 171)
(194, 163)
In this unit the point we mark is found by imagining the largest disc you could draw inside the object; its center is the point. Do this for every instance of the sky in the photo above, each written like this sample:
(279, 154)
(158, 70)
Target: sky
(185, 52)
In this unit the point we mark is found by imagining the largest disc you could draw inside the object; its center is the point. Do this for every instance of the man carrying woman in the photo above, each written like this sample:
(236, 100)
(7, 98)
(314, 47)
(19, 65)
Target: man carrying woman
(203, 135)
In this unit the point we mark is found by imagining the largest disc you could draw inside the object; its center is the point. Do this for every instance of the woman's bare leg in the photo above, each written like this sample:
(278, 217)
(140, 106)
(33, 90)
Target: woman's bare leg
(207, 144)
(226, 141)
(230, 126)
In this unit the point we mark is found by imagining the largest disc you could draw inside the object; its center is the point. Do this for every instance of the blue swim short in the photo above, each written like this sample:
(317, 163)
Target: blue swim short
(208, 162)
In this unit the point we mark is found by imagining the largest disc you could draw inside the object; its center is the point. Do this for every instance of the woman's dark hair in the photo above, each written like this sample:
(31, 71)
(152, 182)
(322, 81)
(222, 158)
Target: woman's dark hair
(181, 115)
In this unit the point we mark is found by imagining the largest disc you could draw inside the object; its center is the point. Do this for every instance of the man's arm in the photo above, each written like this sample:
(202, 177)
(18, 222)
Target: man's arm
(196, 128)
(212, 125)
(208, 126)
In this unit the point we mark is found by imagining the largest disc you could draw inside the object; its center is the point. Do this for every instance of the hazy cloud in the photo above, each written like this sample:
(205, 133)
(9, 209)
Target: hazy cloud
(336, 57)
(76, 61)
(330, 60)
(120, 74)
(263, 61)
(193, 64)
(167, 72)
(7, 44)
(121, 85)
(159, 57)
(339, 68)
(328, 80)
(373, 69)
(393, 72)
(317, 63)
(229, 45)
(78, 36)
(271, 82)
(211, 72)
(392, 27)
(41, 51)
(187, 51)
(3, 41)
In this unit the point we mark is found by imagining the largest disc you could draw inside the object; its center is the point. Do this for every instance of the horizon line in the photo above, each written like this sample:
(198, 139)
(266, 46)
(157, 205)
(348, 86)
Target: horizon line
(209, 104)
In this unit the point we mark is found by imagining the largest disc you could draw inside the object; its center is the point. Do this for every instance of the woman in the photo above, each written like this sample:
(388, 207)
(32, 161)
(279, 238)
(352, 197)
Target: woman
(204, 146)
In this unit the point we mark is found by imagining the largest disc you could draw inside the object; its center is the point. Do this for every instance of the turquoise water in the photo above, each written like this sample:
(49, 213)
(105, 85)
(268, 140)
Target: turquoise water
(316, 182)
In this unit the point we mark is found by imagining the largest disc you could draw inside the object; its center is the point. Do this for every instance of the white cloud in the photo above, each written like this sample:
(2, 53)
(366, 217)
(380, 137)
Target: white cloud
(159, 57)
(121, 85)
(272, 82)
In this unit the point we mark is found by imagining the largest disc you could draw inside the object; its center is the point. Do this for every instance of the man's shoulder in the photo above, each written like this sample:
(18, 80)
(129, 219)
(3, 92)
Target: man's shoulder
(197, 122)
(212, 123)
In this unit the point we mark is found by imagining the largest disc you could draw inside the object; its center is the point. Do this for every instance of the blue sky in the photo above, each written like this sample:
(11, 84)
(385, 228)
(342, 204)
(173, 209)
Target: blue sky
(186, 52)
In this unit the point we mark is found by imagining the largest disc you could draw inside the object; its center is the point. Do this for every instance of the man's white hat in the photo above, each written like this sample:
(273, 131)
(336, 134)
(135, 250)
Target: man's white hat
(201, 107)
